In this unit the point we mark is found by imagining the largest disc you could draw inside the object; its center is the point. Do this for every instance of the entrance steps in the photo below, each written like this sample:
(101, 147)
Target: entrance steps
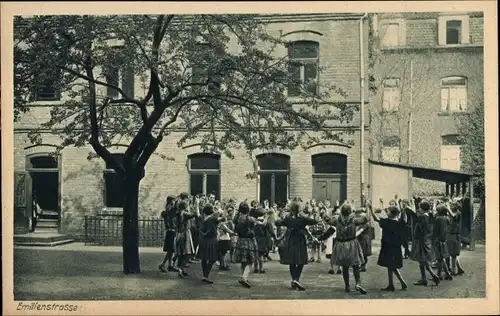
(47, 226)
(42, 239)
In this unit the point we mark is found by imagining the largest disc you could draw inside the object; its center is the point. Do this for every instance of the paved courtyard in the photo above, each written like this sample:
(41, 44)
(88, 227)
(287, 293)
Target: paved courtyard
(78, 272)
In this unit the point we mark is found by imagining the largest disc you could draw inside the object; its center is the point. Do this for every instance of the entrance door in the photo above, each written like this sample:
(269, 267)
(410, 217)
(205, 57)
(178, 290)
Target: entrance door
(22, 202)
(329, 187)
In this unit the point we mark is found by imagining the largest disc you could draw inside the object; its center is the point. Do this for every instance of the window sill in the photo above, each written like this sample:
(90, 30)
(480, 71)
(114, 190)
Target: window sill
(453, 113)
(46, 103)
(111, 211)
(437, 46)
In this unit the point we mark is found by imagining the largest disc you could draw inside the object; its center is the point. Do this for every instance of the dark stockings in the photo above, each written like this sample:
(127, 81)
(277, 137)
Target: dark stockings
(345, 274)
(441, 265)
(296, 271)
(206, 266)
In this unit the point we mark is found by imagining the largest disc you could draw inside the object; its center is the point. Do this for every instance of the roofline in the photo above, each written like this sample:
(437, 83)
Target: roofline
(410, 166)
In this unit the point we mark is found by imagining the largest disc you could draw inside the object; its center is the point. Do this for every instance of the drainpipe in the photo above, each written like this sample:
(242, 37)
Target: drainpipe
(362, 109)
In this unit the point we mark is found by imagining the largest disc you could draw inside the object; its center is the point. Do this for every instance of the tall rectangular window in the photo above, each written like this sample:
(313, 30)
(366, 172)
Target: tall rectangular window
(46, 89)
(203, 71)
(303, 67)
(391, 94)
(113, 193)
(450, 152)
(390, 34)
(453, 32)
(454, 94)
(390, 149)
(204, 174)
(119, 73)
(274, 170)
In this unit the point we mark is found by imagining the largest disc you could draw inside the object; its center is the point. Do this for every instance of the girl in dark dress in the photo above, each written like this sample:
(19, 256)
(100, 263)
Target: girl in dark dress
(262, 233)
(295, 249)
(207, 251)
(347, 251)
(364, 238)
(390, 255)
(440, 232)
(246, 249)
(168, 216)
(454, 239)
(421, 246)
(183, 243)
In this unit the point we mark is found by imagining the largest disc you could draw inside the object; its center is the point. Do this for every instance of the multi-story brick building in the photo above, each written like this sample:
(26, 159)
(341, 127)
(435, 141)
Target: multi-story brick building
(429, 72)
(73, 186)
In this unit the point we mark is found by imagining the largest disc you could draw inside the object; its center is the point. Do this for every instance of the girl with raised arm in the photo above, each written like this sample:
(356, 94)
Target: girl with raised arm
(421, 246)
(294, 251)
(440, 232)
(390, 255)
(207, 251)
(246, 251)
(347, 251)
(454, 238)
(183, 244)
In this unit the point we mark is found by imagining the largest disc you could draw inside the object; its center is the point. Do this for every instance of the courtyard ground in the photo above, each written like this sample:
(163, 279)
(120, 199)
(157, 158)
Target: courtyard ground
(78, 272)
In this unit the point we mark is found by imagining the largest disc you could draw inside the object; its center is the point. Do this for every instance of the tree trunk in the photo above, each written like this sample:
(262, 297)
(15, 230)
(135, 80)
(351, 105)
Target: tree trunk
(131, 262)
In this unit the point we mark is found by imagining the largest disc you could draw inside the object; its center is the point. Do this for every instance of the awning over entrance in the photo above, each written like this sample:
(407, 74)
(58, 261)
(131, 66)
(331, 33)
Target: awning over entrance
(388, 178)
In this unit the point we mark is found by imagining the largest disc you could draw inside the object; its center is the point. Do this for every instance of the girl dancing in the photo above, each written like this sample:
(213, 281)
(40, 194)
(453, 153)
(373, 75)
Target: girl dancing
(295, 245)
(183, 243)
(454, 239)
(207, 251)
(390, 255)
(347, 250)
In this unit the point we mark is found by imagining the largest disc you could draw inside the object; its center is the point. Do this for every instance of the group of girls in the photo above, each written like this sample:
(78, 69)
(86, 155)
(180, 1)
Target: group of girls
(246, 233)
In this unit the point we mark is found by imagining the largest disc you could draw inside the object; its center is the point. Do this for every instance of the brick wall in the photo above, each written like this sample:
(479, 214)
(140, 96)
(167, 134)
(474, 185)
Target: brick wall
(430, 65)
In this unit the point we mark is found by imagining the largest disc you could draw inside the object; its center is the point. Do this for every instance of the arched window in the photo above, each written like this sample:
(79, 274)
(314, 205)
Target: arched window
(113, 194)
(43, 162)
(204, 174)
(454, 94)
(329, 177)
(303, 67)
(274, 170)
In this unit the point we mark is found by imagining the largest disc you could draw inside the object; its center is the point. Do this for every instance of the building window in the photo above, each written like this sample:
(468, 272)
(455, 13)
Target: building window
(450, 152)
(274, 170)
(390, 148)
(453, 30)
(119, 74)
(392, 33)
(329, 164)
(303, 67)
(454, 94)
(391, 94)
(204, 174)
(113, 193)
(202, 69)
(46, 89)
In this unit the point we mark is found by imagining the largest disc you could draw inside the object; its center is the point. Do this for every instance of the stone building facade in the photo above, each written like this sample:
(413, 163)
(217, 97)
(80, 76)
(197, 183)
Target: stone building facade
(83, 187)
(443, 53)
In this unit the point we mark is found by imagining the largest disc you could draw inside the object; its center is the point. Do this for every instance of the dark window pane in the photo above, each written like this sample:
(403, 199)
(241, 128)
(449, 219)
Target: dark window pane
(128, 81)
(112, 77)
(455, 81)
(204, 162)
(265, 187)
(295, 79)
(451, 140)
(119, 157)
(195, 184)
(280, 189)
(310, 77)
(274, 162)
(213, 185)
(114, 195)
(303, 49)
(44, 162)
(453, 29)
(330, 163)
(391, 141)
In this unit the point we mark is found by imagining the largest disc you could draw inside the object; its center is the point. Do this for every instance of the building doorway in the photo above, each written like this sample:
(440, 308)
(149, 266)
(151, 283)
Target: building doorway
(329, 177)
(44, 192)
(274, 171)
